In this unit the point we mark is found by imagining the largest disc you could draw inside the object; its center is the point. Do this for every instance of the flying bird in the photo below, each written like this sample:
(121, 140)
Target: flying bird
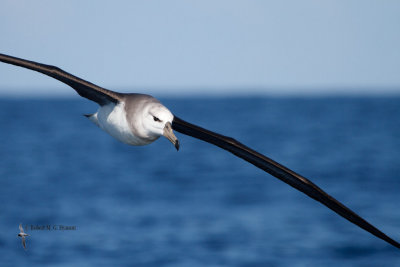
(22, 235)
(139, 119)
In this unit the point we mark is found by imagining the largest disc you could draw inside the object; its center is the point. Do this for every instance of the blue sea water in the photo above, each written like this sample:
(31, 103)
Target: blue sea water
(201, 206)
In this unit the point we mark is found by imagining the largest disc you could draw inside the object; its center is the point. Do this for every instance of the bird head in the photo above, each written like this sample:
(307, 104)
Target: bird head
(159, 121)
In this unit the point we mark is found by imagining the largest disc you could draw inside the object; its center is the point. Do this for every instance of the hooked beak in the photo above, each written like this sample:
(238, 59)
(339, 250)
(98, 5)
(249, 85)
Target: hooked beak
(169, 134)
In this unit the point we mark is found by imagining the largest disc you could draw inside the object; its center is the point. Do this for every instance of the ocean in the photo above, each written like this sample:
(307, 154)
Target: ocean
(87, 200)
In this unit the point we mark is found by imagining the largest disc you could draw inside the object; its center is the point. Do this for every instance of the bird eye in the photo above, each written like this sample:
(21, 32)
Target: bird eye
(156, 119)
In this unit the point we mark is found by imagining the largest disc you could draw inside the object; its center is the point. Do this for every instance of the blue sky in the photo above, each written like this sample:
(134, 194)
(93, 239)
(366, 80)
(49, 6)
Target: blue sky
(194, 47)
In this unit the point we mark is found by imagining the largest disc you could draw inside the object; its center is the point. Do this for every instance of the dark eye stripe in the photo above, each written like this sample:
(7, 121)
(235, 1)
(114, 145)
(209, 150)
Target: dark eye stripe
(156, 119)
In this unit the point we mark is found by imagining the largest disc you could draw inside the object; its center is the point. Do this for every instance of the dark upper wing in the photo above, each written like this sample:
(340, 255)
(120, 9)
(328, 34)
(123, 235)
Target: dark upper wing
(281, 172)
(23, 242)
(84, 88)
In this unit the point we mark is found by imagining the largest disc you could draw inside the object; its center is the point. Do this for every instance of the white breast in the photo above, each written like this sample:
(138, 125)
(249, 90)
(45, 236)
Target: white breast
(112, 119)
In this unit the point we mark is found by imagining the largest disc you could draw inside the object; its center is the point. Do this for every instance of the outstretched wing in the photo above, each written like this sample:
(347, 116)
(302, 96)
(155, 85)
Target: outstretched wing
(83, 88)
(281, 172)
(20, 228)
(23, 242)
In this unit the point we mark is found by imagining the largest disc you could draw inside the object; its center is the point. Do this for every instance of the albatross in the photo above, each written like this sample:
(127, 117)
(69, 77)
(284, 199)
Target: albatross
(23, 235)
(140, 119)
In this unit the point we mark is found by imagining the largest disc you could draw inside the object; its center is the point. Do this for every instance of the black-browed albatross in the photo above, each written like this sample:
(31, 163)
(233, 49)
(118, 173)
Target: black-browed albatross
(139, 119)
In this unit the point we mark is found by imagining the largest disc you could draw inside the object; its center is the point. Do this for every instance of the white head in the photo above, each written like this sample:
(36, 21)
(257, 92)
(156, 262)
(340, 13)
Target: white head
(158, 121)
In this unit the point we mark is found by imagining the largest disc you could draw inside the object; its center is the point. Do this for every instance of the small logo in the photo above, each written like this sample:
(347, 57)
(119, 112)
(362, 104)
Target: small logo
(22, 235)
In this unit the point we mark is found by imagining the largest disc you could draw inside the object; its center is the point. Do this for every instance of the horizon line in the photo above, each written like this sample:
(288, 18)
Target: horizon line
(303, 91)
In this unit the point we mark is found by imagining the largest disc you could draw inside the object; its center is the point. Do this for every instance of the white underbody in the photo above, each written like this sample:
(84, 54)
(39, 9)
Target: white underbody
(112, 119)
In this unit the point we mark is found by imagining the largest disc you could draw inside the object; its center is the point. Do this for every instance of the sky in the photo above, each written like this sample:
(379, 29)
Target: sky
(198, 47)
